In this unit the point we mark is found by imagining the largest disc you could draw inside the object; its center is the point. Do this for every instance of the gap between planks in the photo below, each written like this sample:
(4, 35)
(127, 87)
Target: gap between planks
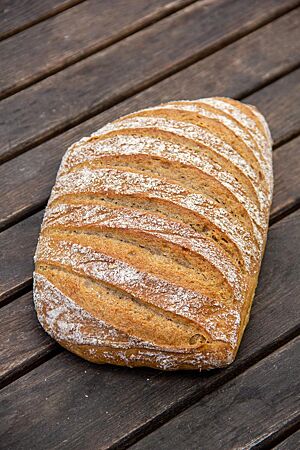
(286, 140)
(262, 85)
(62, 6)
(279, 436)
(260, 357)
(284, 213)
(201, 422)
(191, 399)
(144, 84)
(141, 24)
(288, 442)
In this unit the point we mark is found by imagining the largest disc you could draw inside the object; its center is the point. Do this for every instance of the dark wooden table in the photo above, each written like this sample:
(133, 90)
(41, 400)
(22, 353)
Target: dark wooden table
(68, 67)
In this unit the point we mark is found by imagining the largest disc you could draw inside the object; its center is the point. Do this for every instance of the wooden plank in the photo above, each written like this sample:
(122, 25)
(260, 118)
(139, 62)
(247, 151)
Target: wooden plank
(290, 443)
(286, 178)
(86, 88)
(22, 344)
(17, 247)
(16, 15)
(66, 391)
(27, 179)
(289, 122)
(26, 57)
(245, 413)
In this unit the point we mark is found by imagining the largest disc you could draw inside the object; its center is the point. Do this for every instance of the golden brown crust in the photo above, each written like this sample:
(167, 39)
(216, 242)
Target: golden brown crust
(152, 240)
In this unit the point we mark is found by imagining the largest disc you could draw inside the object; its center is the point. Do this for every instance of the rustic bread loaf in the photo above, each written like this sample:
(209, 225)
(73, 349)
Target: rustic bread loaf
(152, 240)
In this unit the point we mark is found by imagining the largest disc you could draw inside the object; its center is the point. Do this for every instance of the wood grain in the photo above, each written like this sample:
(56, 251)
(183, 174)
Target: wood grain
(290, 443)
(286, 178)
(238, 414)
(288, 125)
(67, 391)
(26, 57)
(23, 341)
(20, 14)
(64, 402)
(27, 179)
(17, 247)
(92, 85)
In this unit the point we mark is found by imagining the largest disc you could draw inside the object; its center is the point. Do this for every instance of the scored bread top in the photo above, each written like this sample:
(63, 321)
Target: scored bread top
(153, 236)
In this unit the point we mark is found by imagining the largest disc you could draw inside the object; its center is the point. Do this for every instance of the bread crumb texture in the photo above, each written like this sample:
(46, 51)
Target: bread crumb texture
(152, 240)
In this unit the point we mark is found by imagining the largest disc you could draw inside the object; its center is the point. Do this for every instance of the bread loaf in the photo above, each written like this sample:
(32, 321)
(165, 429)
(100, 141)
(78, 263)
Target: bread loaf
(153, 236)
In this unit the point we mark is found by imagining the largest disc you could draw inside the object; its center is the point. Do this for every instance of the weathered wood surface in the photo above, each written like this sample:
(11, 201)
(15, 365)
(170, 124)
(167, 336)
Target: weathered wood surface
(245, 413)
(52, 399)
(23, 341)
(290, 443)
(16, 15)
(17, 247)
(116, 397)
(288, 125)
(28, 178)
(72, 35)
(89, 86)
(286, 178)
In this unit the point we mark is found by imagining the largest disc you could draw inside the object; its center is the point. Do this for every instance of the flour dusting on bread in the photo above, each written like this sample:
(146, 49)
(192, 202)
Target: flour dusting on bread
(153, 236)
